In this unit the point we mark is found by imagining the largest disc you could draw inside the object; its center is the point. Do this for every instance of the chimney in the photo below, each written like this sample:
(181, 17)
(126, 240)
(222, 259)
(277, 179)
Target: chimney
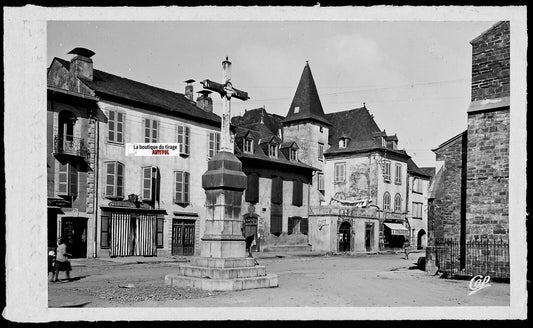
(189, 90)
(81, 65)
(204, 101)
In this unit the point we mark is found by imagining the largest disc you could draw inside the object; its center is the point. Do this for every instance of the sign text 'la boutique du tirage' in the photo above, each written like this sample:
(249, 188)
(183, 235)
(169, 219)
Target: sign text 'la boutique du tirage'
(152, 149)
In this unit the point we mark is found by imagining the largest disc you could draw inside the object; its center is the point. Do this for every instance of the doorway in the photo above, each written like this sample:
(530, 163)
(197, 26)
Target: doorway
(421, 239)
(74, 229)
(369, 236)
(345, 231)
(183, 235)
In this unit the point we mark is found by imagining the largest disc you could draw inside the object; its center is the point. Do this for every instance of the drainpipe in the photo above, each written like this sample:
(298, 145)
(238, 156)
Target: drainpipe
(96, 193)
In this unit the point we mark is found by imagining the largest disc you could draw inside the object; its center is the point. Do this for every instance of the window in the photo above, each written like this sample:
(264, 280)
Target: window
(343, 142)
(297, 193)
(277, 190)
(252, 188)
(320, 151)
(386, 201)
(386, 171)
(213, 144)
(181, 192)
(149, 183)
(320, 179)
(114, 182)
(397, 203)
(292, 155)
(417, 185)
(68, 180)
(398, 176)
(105, 232)
(150, 130)
(296, 109)
(340, 172)
(184, 133)
(417, 210)
(159, 232)
(273, 150)
(115, 127)
(304, 226)
(248, 146)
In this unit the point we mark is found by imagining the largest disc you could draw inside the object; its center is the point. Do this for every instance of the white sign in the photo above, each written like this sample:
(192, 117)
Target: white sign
(152, 149)
(478, 283)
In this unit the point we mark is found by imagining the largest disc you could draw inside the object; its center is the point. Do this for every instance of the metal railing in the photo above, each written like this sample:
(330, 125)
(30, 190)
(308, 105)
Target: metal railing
(70, 146)
(488, 257)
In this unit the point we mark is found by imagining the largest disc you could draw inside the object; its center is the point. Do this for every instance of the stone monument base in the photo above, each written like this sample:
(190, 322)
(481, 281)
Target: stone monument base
(222, 274)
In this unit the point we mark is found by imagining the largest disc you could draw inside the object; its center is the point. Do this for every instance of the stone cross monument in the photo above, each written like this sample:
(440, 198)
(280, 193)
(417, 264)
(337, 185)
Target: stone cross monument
(223, 264)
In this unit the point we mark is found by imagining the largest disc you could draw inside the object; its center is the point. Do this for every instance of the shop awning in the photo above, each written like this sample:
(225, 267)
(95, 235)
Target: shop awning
(397, 229)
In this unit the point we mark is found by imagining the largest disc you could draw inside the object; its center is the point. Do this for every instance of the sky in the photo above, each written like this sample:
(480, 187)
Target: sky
(413, 76)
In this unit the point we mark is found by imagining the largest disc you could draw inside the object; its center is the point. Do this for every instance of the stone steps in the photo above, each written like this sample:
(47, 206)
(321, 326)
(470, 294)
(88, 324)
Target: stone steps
(266, 281)
(221, 273)
(287, 248)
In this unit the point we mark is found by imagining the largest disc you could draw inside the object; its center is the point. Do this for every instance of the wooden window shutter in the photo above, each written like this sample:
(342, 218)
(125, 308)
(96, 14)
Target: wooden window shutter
(159, 232)
(252, 188)
(304, 226)
(277, 190)
(290, 225)
(104, 232)
(297, 193)
(276, 223)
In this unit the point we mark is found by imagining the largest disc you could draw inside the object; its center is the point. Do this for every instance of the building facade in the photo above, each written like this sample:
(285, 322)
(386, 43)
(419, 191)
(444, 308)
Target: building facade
(152, 205)
(469, 197)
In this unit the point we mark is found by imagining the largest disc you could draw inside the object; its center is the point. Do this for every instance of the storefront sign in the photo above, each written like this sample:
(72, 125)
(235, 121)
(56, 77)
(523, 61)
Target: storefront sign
(59, 202)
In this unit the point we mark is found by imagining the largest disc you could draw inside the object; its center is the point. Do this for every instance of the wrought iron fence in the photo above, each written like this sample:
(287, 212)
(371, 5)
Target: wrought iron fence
(482, 256)
(70, 146)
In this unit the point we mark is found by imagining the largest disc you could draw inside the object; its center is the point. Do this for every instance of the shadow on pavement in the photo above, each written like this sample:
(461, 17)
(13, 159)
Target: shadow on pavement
(74, 305)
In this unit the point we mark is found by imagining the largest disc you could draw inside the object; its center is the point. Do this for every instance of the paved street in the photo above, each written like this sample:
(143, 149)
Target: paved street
(373, 280)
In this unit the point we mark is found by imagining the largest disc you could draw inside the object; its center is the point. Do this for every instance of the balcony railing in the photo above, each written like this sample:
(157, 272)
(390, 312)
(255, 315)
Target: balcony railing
(66, 145)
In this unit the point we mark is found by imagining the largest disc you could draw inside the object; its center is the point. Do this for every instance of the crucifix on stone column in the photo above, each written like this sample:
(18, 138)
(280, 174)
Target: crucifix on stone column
(226, 91)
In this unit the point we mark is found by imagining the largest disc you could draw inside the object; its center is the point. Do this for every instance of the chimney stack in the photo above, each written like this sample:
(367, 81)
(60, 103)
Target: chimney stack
(81, 65)
(189, 90)
(204, 101)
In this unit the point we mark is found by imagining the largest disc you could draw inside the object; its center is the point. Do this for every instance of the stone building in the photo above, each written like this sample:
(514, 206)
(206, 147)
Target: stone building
(357, 163)
(72, 118)
(276, 200)
(469, 197)
(148, 205)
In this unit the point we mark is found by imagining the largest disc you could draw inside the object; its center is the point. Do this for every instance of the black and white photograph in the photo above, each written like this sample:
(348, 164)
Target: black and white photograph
(265, 163)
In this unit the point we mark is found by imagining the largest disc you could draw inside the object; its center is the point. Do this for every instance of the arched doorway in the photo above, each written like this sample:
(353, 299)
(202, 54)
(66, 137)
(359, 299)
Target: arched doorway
(421, 239)
(345, 231)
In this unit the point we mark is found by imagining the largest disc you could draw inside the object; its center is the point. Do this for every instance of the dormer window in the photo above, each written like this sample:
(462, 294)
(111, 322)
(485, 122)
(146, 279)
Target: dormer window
(296, 109)
(343, 142)
(292, 154)
(273, 150)
(383, 142)
(248, 146)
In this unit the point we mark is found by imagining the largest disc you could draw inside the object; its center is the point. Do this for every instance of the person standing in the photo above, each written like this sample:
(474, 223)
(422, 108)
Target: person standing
(62, 262)
(406, 246)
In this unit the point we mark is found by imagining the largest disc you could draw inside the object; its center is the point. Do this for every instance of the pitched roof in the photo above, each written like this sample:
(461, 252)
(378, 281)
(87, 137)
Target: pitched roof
(430, 171)
(259, 119)
(412, 168)
(111, 86)
(307, 100)
(356, 124)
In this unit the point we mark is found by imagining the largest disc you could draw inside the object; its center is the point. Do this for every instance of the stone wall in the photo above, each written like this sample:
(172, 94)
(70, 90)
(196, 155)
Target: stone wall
(490, 63)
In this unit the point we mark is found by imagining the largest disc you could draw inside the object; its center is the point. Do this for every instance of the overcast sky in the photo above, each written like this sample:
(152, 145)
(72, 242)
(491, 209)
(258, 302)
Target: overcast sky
(413, 76)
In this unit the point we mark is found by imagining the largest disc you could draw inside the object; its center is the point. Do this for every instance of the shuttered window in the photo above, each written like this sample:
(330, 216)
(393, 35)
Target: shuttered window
(252, 188)
(340, 172)
(304, 226)
(181, 194)
(159, 232)
(277, 190)
(184, 133)
(105, 235)
(297, 193)
(114, 179)
(150, 130)
(276, 224)
(115, 126)
(213, 144)
(68, 180)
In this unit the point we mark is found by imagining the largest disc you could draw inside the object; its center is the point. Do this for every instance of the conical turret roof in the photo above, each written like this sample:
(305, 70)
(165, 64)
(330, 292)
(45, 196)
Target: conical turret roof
(306, 103)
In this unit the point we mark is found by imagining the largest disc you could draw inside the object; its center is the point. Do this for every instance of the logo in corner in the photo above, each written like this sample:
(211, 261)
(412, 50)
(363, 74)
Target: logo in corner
(478, 283)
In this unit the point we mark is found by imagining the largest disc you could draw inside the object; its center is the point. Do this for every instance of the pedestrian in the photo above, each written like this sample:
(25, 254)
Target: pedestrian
(406, 246)
(62, 262)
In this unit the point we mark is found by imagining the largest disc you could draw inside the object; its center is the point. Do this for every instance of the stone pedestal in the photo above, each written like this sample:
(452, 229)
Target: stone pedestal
(223, 264)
